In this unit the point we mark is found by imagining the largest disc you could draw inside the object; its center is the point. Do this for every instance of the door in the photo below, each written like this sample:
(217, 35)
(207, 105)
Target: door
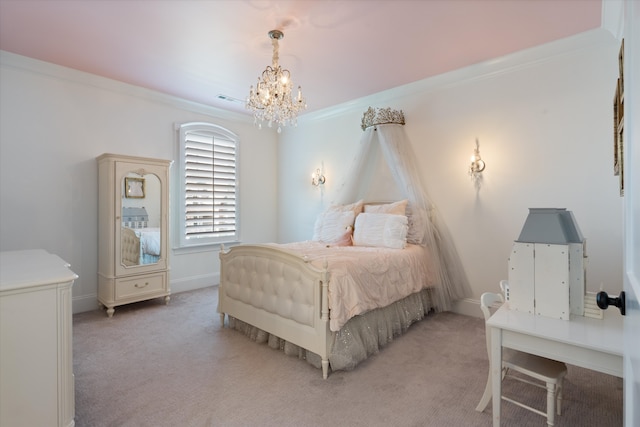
(631, 251)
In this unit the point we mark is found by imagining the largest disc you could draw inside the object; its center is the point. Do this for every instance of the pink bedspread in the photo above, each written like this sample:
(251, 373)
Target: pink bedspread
(364, 278)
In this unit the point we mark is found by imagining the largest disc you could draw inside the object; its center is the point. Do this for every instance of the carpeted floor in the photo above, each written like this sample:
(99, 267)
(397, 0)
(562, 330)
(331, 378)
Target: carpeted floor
(157, 365)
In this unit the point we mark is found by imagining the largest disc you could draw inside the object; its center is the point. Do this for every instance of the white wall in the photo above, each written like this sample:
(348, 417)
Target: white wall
(544, 121)
(543, 117)
(55, 121)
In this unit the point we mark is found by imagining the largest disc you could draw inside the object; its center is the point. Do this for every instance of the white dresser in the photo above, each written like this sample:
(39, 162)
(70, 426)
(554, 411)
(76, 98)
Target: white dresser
(36, 352)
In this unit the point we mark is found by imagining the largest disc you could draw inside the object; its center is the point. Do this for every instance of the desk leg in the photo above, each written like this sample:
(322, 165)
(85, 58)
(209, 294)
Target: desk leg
(496, 373)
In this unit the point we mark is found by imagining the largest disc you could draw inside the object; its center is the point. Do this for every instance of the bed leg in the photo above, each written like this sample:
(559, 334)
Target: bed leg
(222, 319)
(325, 369)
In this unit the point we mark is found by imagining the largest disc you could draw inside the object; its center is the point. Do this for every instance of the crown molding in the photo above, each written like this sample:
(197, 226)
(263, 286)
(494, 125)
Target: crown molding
(27, 64)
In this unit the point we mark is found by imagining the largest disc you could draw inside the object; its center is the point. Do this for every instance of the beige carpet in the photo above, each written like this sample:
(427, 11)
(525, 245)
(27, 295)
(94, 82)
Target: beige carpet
(157, 365)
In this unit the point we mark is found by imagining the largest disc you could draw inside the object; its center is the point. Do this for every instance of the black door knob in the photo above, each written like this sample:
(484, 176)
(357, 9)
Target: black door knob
(604, 300)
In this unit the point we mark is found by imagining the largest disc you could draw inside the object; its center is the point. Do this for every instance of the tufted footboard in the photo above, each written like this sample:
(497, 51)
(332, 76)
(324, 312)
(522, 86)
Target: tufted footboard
(278, 292)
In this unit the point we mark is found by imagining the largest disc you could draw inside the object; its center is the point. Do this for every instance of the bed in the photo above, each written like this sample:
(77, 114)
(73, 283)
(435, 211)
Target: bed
(299, 297)
(140, 243)
(149, 244)
(331, 301)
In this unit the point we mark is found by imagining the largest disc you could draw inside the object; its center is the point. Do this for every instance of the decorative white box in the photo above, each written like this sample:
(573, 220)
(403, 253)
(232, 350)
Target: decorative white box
(546, 266)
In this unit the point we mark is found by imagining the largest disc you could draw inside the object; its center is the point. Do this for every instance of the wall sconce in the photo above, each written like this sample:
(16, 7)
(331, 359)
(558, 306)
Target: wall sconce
(477, 164)
(317, 178)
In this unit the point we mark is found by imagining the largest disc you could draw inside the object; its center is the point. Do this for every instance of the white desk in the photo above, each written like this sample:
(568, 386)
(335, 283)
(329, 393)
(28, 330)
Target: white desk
(589, 343)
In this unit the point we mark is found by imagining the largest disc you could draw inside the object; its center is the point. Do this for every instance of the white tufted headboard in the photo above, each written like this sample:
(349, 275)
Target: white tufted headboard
(129, 246)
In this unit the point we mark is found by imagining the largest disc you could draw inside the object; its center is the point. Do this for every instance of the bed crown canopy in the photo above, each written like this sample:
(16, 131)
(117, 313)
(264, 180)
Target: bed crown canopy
(381, 116)
(383, 128)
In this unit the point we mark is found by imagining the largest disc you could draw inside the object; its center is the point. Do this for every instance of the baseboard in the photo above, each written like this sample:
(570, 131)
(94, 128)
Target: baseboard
(84, 303)
(194, 282)
(89, 302)
(467, 307)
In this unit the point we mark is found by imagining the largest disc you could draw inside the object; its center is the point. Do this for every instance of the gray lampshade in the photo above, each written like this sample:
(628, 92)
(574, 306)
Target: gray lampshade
(550, 225)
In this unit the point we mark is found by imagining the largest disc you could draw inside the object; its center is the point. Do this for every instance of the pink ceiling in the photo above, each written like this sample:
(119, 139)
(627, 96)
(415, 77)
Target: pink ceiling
(338, 50)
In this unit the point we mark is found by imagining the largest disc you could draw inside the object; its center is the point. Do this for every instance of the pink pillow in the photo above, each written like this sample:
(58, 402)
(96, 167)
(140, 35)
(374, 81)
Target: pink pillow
(396, 208)
(356, 208)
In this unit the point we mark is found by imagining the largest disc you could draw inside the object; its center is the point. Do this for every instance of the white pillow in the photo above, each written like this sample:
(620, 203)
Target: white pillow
(396, 208)
(334, 228)
(381, 230)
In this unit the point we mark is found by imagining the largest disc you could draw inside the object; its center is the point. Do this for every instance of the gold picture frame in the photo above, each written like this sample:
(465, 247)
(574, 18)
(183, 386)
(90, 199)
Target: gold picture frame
(134, 188)
(616, 151)
(618, 123)
(621, 156)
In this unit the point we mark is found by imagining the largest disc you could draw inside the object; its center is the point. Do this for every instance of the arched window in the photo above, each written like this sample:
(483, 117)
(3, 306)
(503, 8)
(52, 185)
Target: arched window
(208, 185)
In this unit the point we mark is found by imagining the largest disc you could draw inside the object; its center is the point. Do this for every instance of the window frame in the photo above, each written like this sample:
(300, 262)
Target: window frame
(215, 131)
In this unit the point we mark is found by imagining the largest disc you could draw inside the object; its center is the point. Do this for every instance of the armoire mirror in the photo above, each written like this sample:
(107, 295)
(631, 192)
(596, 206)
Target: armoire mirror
(140, 231)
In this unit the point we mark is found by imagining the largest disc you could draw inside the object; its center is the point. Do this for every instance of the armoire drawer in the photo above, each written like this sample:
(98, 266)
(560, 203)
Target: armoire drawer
(140, 285)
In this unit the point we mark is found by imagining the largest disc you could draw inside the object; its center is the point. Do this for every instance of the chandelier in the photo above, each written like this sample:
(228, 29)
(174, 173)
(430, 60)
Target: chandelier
(271, 100)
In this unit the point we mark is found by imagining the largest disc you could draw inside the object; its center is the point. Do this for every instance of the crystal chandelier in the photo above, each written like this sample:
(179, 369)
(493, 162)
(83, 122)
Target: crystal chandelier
(271, 100)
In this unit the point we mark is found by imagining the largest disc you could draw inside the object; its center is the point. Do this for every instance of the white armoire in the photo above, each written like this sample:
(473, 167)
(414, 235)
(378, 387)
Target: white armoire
(133, 230)
(36, 350)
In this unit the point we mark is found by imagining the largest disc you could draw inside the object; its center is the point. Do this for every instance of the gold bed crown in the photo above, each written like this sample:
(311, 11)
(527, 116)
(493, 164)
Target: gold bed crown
(372, 117)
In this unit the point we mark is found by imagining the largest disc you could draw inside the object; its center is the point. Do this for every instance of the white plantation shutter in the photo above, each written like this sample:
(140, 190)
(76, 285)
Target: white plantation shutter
(209, 165)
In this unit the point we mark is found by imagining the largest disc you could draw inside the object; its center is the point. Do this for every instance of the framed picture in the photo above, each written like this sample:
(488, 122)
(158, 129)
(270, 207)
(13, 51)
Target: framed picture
(134, 188)
(621, 157)
(618, 122)
(616, 151)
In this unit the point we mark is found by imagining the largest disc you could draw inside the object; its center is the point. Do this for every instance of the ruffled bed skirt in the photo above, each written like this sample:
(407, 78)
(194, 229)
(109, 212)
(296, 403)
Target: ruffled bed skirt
(362, 336)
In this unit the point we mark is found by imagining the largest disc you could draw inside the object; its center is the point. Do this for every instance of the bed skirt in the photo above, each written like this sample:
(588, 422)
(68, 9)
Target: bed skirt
(362, 336)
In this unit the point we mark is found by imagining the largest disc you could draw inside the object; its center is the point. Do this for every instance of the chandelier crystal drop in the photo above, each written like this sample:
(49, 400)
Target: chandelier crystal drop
(271, 100)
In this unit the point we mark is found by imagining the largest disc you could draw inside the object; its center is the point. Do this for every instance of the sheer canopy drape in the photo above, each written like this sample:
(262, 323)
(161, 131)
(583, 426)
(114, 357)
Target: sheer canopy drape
(425, 226)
